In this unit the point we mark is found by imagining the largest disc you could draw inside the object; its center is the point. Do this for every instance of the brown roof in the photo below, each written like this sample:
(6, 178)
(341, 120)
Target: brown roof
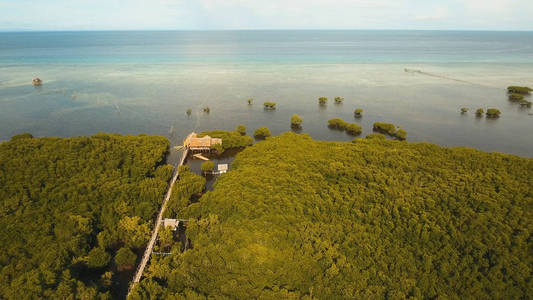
(193, 141)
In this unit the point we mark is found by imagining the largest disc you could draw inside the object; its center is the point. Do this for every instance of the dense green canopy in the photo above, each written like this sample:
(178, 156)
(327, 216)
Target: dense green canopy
(68, 205)
(298, 218)
(230, 139)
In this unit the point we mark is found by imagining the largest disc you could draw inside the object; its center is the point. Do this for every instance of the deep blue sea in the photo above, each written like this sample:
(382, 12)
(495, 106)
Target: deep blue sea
(143, 82)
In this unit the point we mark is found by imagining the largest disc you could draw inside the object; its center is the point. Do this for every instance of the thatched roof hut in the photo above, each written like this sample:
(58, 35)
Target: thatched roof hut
(193, 142)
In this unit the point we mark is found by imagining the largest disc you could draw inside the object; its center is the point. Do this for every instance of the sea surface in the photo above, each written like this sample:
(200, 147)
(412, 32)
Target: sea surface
(143, 82)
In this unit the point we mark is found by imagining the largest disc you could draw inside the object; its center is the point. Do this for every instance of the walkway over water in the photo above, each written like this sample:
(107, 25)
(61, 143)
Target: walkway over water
(149, 248)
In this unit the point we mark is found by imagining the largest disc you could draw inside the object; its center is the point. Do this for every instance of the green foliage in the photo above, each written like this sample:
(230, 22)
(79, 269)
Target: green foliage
(63, 197)
(241, 129)
(479, 112)
(339, 100)
(164, 172)
(493, 113)
(125, 258)
(464, 110)
(250, 101)
(388, 128)
(189, 184)
(270, 105)
(21, 136)
(262, 133)
(323, 100)
(98, 258)
(296, 121)
(207, 109)
(519, 89)
(207, 166)
(401, 134)
(230, 139)
(134, 231)
(358, 112)
(373, 219)
(376, 136)
(353, 129)
(166, 237)
(516, 97)
(337, 123)
(189, 111)
(526, 103)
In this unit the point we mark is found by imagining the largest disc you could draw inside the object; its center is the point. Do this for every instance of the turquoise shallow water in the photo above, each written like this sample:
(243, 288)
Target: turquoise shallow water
(143, 82)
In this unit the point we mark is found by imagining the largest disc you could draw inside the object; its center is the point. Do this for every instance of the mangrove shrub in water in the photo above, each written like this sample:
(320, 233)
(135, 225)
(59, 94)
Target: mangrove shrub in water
(250, 101)
(464, 110)
(270, 105)
(296, 121)
(339, 100)
(400, 134)
(353, 128)
(479, 112)
(241, 129)
(385, 127)
(207, 166)
(337, 123)
(519, 89)
(358, 112)
(322, 100)
(493, 113)
(516, 97)
(262, 133)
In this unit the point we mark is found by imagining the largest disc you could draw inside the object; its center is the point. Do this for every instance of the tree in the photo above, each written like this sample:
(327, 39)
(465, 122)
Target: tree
(125, 258)
(133, 231)
(207, 166)
(98, 258)
(296, 121)
(479, 112)
(189, 111)
(166, 237)
(262, 133)
(516, 97)
(493, 113)
(385, 127)
(376, 136)
(401, 134)
(322, 100)
(207, 109)
(464, 110)
(337, 123)
(339, 100)
(358, 112)
(250, 101)
(519, 90)
(241, 129)
(270, 105)
(353, 129)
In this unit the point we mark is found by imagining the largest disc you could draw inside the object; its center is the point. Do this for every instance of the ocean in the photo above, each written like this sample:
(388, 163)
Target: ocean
(143, 82)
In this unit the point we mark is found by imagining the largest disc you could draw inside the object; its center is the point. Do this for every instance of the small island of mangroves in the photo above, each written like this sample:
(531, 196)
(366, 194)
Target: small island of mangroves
(368, 219)
(293, 218)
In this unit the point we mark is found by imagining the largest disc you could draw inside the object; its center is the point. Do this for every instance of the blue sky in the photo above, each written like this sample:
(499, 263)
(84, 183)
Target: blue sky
(265, 14)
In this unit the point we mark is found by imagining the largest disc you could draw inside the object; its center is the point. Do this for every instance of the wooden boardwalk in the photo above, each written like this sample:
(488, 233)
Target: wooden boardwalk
(149, 248)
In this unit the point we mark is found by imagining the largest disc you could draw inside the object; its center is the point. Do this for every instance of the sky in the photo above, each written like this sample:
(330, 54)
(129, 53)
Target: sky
(265, 14)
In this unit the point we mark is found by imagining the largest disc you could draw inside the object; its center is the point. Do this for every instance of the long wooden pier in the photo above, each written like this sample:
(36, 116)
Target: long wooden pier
(151, 243)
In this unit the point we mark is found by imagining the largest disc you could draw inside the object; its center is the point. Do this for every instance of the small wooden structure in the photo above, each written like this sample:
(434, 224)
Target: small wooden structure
(174, 223)
(37, 81)
(222, 168)
(200, 156)
(205, 143)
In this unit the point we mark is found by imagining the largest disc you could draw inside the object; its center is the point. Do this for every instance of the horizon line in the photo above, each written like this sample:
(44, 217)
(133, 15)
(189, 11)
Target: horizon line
(251, 29)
